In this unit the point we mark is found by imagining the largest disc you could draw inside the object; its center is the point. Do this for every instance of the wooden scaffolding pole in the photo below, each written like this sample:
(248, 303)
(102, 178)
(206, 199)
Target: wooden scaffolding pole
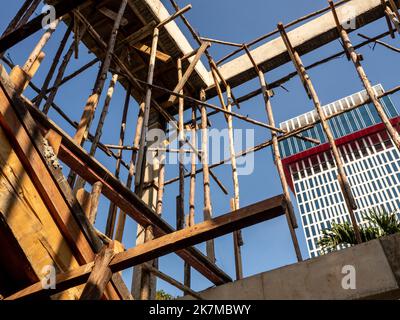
(290, 215)
(192, 192)
(180, 219)
(53, 67)
(121, 224)
(92, 102)
(356, 59)
(14, 22)
(237, 235)
(245, 217)
(342, 178)
(60, 75)
(207, 210)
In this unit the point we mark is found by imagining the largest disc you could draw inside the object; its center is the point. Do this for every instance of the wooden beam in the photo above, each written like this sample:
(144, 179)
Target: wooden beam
(24, 31)
(139, 35)
(92, 171)
(147, 50)
(188, 72)
(101, 274)
(113, 15)
(242, 218)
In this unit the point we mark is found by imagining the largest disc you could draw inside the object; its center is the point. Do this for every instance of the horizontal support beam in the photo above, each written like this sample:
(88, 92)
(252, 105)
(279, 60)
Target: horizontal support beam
(92, 171)
(239, 219)
(306, 38)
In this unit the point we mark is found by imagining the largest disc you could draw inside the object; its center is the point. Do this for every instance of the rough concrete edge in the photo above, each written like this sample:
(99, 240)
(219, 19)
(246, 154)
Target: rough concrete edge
(391, 248)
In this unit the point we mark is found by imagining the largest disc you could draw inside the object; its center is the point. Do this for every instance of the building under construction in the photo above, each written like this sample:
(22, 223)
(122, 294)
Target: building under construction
(51, 182)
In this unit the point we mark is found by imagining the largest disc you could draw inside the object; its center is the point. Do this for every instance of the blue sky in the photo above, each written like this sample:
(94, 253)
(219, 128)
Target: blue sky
(267, 245)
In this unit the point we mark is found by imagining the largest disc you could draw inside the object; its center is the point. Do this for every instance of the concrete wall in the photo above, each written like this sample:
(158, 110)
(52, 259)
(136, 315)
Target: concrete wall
(377, 270)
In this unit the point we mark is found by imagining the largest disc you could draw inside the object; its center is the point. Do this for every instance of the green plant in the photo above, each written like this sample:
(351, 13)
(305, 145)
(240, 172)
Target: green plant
(379, 224)
(162, 295)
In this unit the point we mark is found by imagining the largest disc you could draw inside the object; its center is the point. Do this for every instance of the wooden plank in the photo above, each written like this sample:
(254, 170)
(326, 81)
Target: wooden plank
(147, 50)
(139, 35)
(242, 218)
(92, 171)
(100, 275)
(50, 182)
(113, 15)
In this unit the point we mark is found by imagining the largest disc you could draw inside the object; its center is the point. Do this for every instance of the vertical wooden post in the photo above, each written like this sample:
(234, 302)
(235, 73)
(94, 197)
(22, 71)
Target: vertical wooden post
(80, 183)
(181, 139)
(150, 78)
(91, 105)
(207, 211)
(356, 59)
(53, 67)
(110, 226)
(237, 235)
(119, 231)
(104, 112)
(290, 216)
(60, 75)
(192, 190)
(94, 201)
(346, 190)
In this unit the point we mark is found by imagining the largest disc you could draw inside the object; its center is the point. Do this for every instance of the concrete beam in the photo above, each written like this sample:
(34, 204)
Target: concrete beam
(377, 276)
(306, 38)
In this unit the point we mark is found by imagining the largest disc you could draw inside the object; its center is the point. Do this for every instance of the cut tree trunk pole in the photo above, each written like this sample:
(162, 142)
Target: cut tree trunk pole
(207, 210)
(53, 67)
(80, 183)
(342, 178)
(291, 217)
(91, 105)
(60, 75)
(121, 222)
(110, 226)
(356, 59)
(237, 235)
(146, 116)
(181, 159)
(192, 191)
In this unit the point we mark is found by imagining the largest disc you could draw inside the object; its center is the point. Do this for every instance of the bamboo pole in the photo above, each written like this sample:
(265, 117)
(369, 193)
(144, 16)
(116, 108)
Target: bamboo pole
(237, 235)
(207, 211)
(290, 215)
(342, 178)
(60, 75)
(356, 59)
(53, 67)
(92, 102)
